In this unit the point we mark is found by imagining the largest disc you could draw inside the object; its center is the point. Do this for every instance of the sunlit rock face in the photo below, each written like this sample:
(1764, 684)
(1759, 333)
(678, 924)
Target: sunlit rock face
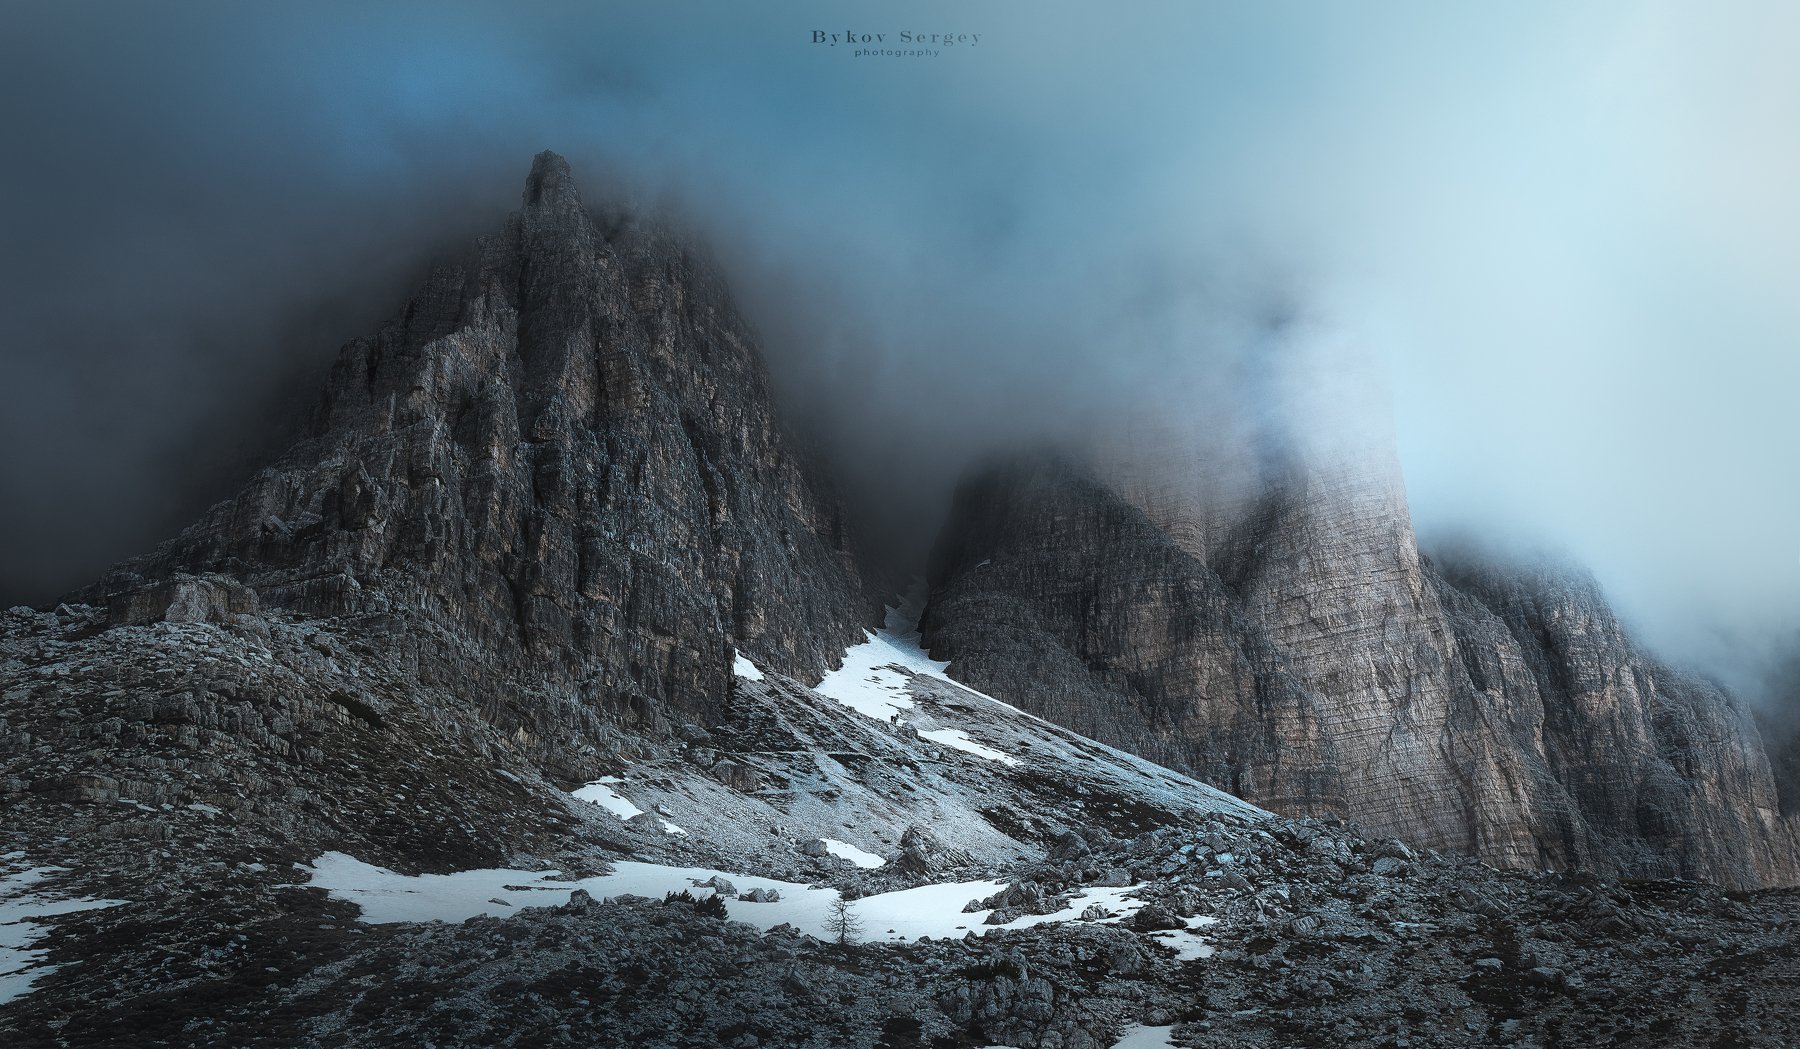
(559, 463)
(1297, 649)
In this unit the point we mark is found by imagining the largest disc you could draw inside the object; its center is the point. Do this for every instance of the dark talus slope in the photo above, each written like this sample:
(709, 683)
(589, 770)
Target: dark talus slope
(1314, 662)
(559, 464)
(179, 770)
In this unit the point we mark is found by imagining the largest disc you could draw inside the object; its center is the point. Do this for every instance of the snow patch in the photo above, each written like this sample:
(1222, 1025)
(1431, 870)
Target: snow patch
(1137, 1036)
(386, 897)
(873, 677)
(744, 668)
(600, 793)
(1188, 945)
(925, 910)
(22, 912)
(868, 681)
(1116, 900)
(890, 917)
(958, 739)
(845, 850)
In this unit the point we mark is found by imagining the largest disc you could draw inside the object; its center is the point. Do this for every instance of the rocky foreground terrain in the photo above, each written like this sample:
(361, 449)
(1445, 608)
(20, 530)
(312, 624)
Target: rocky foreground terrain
(200, 775)
(542, 694)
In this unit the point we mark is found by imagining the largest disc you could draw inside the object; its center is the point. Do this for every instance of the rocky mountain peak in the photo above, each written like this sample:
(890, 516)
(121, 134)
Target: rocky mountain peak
(551, 183)
(561, 460)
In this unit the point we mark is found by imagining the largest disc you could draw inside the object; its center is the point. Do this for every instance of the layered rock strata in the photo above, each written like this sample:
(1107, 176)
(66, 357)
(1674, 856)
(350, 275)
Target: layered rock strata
(1313, 661)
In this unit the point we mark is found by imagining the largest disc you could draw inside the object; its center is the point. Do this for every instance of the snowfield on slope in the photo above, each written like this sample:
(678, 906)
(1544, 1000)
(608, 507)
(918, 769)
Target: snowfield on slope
(886, 743)
(601, 792)
(875, 675)
(902, 916)
(845, 850)
(957, 739)
(23, 909)
(891, 678)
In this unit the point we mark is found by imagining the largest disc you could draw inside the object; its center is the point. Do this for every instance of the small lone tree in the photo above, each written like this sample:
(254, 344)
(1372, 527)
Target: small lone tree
(843, 924)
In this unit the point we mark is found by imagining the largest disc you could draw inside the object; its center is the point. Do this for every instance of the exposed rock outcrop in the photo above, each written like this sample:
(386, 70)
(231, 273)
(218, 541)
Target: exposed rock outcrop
(560, 463)
(1311, 660)
(184, 599)
(1658, 765)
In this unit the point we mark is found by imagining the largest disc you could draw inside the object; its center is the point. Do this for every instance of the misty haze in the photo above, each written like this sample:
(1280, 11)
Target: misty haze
(1177, 526)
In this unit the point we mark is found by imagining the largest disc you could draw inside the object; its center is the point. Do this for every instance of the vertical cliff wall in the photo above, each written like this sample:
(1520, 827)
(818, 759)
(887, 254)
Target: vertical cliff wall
(561, 464)
(1311, 660)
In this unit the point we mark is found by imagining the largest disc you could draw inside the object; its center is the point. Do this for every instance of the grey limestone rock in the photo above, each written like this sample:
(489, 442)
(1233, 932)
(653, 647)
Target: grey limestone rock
(1312, 660)
(184, 599)
(560, 462)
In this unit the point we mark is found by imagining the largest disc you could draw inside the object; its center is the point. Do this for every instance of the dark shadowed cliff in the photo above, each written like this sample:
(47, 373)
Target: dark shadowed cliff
(559, 463)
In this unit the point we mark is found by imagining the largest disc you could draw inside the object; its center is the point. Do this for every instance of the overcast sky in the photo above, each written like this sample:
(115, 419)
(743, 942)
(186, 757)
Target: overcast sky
(1567, 233)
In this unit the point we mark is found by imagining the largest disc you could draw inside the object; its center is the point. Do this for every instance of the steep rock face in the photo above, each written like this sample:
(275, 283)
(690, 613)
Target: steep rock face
(1065, 599)
(560, 463)
(1314, 662)
(1327, 564)
(1664, 772)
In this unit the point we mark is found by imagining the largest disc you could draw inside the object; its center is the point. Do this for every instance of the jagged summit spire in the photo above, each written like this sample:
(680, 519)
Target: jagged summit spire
(550, 184)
